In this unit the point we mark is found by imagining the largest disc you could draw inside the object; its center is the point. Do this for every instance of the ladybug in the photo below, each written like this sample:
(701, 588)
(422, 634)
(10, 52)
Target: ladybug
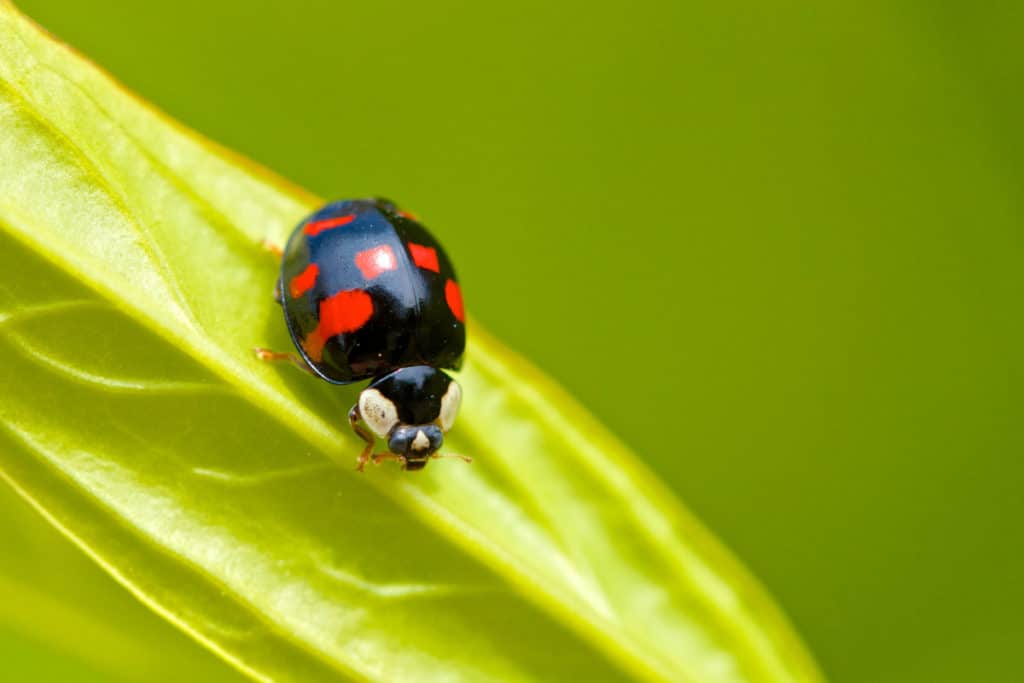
(368, 293)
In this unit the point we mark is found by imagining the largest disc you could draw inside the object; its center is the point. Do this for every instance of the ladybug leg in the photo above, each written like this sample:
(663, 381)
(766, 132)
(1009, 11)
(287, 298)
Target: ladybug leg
(353, 419)
(272, 356)
(273, 247)
(378, 458)
(278, 296)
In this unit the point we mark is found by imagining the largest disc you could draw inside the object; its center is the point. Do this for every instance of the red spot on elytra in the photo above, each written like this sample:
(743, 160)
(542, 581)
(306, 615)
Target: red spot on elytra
(375, 261)
(304, 281)
(453, 295)
(316, 227)
(424, 257)
(346, 311)
(408, 214)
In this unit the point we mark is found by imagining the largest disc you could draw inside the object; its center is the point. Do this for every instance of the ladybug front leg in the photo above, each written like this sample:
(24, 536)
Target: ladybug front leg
(365, 435)
(378, 458)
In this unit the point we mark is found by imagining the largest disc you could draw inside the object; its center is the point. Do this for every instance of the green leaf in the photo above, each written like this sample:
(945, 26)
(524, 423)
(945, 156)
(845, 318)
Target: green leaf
(221, 491)
(63, 619)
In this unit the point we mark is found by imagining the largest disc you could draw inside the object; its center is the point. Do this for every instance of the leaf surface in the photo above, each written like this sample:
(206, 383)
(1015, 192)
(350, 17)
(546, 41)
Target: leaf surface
(221, 491)
(63, 618)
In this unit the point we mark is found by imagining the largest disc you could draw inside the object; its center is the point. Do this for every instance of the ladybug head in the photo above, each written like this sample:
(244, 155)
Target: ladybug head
(411, 408)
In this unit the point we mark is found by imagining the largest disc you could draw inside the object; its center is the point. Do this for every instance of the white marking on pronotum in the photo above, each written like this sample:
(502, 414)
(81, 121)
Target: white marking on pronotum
(378, 412)
(450, 405)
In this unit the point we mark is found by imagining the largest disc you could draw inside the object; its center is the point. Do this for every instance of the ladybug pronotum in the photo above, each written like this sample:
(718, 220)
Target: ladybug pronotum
(368, 293)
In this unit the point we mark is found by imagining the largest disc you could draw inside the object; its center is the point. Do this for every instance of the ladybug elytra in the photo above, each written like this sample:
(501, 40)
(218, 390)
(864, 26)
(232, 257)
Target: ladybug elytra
(368, 293)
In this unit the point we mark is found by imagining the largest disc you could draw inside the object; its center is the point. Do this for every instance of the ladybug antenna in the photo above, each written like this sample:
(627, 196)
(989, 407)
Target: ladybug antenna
(463, 458)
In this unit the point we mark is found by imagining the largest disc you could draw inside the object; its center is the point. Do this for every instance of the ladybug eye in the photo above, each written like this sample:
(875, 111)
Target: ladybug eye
(450, 405)
(378, 411)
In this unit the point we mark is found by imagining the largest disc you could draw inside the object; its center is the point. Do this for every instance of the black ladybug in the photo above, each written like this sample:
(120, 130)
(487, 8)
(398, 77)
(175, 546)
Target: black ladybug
(368, 293)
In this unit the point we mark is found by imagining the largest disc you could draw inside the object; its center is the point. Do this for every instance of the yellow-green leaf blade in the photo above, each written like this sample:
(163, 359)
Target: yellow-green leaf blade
(552, 555)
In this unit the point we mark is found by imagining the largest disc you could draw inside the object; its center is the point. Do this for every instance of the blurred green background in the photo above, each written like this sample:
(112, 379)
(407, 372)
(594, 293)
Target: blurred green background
(777, 249)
